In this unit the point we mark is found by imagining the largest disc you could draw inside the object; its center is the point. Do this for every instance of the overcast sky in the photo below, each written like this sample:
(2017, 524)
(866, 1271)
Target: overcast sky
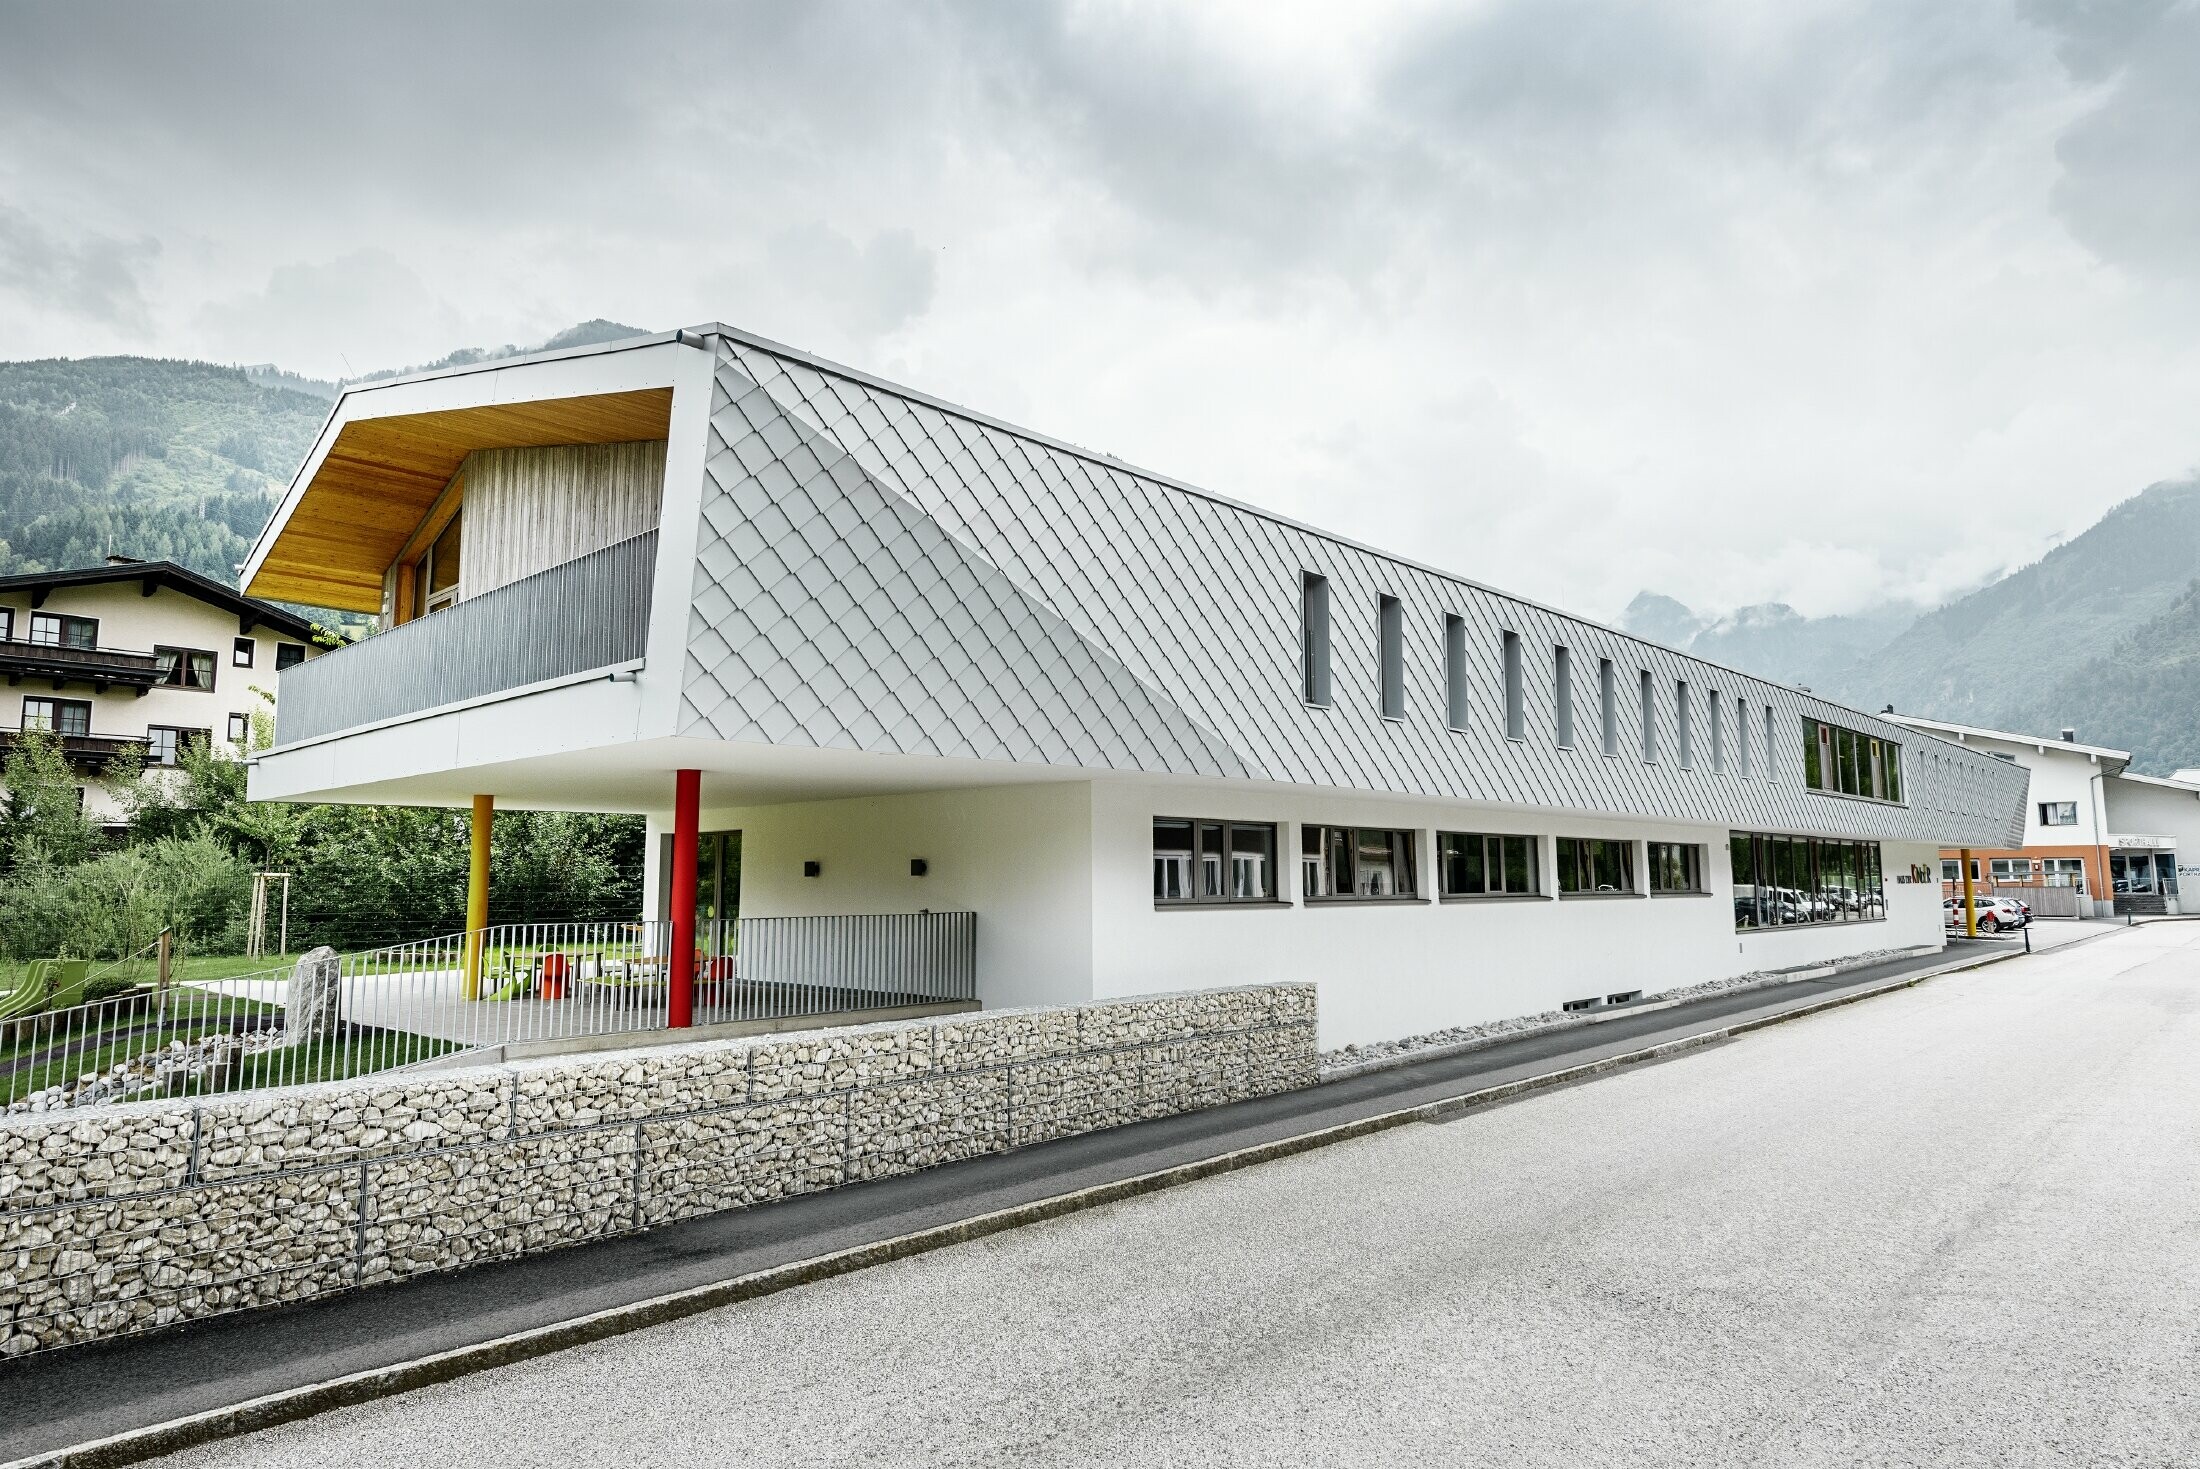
(1814, 301)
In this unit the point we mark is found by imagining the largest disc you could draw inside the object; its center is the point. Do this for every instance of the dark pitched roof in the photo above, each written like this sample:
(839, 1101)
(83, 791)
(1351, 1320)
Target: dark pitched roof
(153, 576)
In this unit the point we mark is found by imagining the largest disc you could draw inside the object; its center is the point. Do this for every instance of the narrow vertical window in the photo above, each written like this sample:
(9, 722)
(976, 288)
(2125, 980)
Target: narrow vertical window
(1455, 670)
(1608, 698)
(1772, 749)
(1390, 619)
(1314, 639)
(1716, 718)
(1516, 703)
(1649, 719)
(1686, 716)
(1741, 734)
(1562, 695)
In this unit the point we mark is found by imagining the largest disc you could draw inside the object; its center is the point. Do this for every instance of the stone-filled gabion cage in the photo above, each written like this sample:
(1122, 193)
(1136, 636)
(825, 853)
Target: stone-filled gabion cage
(116, 1220)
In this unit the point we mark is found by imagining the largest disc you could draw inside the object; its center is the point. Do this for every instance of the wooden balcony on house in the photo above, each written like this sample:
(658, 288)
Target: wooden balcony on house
(62, 664)
(86, 752)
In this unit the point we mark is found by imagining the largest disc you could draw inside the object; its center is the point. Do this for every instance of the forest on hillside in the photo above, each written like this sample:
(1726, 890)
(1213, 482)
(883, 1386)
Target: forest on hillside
(161, 460)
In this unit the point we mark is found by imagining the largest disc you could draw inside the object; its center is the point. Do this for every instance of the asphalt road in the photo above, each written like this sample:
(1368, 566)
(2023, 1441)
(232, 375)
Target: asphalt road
(1957, 1225)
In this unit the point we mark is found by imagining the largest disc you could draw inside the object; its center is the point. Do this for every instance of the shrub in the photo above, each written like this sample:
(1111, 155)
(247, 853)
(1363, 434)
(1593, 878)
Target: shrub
(107, 988)
(116, 905)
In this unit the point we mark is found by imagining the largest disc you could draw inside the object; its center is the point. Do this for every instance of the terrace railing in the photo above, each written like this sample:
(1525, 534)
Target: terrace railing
(520, 985)
(588, 613)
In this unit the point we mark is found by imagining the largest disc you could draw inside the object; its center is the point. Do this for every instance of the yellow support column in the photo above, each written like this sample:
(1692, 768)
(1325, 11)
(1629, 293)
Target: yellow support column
(1970, 913)
(477, 893)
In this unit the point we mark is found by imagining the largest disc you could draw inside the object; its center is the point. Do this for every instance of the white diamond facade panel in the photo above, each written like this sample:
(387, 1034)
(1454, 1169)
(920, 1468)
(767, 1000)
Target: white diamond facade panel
(883, 572)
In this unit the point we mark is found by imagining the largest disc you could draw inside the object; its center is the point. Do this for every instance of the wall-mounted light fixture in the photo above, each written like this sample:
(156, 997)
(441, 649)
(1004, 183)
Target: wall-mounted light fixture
(811, 869)
(918, 867)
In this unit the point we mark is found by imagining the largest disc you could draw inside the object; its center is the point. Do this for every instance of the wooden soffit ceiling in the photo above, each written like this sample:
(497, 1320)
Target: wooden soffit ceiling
(381, 475)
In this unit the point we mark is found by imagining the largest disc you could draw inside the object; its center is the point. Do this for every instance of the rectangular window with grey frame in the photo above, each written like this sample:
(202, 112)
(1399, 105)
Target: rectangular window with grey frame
(1562, 695)
(1608, 701)
(1716, 718)
(1314, 639)
(1474, 865)
(1649, 719)
(1685, 714)
(1390, 621)
(1455, 670)
(1516, 698)
(1772, 748)
(1741, 734)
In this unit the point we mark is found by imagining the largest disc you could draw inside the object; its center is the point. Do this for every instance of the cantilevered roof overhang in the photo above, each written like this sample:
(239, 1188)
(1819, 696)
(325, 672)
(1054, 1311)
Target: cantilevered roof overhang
(385, 455)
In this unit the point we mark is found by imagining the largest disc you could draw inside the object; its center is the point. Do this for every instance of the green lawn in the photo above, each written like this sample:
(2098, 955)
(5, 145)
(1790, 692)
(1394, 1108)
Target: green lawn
(103, 1036)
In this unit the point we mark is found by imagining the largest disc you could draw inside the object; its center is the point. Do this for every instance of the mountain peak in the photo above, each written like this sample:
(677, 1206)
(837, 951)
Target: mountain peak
(1661, 619)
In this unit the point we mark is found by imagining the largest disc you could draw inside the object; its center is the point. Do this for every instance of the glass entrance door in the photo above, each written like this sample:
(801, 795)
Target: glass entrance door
(717, 888)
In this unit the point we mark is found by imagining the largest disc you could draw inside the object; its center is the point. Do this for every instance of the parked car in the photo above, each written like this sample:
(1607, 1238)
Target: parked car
(1994, 914)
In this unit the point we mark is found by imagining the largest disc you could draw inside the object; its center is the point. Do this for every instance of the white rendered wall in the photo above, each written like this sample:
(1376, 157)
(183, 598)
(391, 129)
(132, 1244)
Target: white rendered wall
(1017, 856)
(1389, 970)
(2058, 775)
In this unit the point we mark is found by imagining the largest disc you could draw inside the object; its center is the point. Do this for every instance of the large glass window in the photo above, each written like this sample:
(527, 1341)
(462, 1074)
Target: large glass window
(1595, 865)
(1474, 864)
(1198, 861)
(1356, 862)
(1785, 882)
(1676, 867)
(1845, 762)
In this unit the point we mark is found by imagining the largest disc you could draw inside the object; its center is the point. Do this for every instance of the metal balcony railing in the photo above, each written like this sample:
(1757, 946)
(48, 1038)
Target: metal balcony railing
(588, 613)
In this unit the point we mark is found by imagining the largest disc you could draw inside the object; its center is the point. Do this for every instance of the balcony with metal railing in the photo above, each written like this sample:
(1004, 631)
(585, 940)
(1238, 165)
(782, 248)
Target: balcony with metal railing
(585, 614)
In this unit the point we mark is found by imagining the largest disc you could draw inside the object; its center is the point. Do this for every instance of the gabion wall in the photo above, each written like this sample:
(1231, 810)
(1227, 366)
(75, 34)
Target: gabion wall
(123, 1219)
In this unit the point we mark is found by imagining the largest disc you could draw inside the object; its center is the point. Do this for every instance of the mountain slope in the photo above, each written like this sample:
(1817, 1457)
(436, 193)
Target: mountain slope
(1998, 656)
(153, 459)
(596, 329)
(166, 460)
(1773, 640)
(2102, 634)
(2142, 695)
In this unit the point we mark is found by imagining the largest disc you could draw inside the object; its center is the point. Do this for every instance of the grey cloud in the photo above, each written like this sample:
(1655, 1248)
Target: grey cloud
(93, 276)
(2130, 187)
(866, 290)
(365, 305)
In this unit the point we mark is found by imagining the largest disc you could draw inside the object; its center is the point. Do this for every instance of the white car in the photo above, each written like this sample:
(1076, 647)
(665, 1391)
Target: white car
(1994, 914)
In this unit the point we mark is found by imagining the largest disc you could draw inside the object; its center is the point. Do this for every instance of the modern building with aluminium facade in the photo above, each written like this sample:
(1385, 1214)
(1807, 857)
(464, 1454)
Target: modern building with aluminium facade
(856, 651)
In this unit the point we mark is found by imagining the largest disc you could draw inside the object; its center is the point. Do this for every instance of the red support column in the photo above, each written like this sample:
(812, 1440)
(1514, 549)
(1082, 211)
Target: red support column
(687, 792)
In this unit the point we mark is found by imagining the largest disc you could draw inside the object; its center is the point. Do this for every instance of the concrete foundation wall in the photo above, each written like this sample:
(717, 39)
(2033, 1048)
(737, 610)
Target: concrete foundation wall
(125, 1219)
